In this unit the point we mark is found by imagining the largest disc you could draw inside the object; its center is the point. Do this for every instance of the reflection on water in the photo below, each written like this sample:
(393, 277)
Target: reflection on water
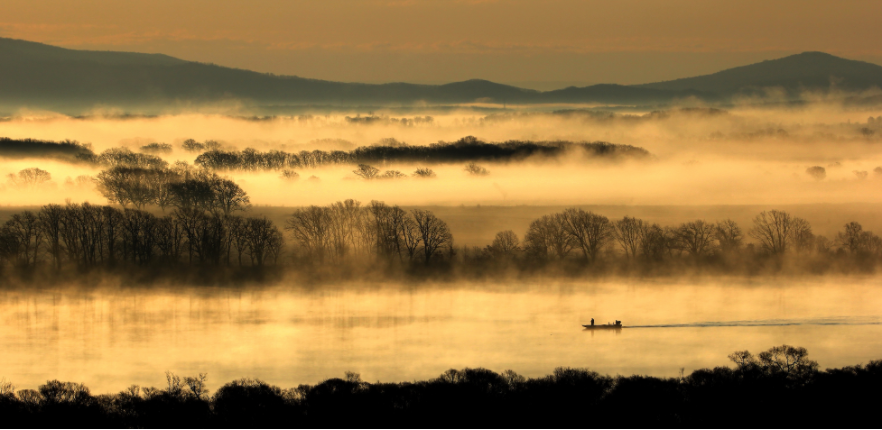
(289, 336)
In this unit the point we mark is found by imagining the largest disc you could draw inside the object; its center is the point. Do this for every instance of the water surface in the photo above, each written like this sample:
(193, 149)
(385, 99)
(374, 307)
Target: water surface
(110, 338)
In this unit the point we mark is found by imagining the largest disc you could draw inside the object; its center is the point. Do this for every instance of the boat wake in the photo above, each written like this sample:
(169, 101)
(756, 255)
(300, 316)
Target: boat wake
(831, 321)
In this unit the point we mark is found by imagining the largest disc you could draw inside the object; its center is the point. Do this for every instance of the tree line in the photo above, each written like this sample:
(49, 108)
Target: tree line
(587, 236)
(85, 236)
(348, 230)
(467, 149)
(202, 231)
(779, 387)
(181, 187)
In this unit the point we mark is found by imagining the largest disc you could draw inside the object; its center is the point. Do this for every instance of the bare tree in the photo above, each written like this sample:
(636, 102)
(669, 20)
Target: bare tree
(192, 145)
(192, 193)
(773, 230)
(311, 227)
(802, 237)
(505, 244)
(169, 239)
(388, 224)
(27, 236)
(850, 239)
(51, 220)
(264, 240)
(139, 231)
(228, 196)
(628, 232)
(434, 232)
(589, 231)
(289, 175)
(159, 148)
(424, 172)
(366, 172)
(127, 185)
(728, 235)
(787, 359)
(696, 237)
(30, 177)
(392, 174)
(160, 182)
(655, 242)
(547, 236)
(410, 237)
(476, 170)
(344, 219)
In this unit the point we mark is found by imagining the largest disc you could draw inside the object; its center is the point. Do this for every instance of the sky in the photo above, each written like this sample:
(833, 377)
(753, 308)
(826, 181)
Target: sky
(538, 44)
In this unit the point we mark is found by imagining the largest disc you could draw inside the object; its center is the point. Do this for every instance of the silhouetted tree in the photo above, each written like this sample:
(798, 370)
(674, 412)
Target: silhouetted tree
(628, 232)
(289, 175)
(506, 244)
(51, 223)
(25, 238)
(474, 169)
(228, 197)
(773, 229)
(728, 235)
(192, 193)
(803, 239)
(264, 240)
(424, 172)
(392, 174)
(366, 172)
(434, 232)
(159, 148)
(589, 231)
(547, 236)
(28, 178)
(311, 228)
(695, 237)
(655, 242)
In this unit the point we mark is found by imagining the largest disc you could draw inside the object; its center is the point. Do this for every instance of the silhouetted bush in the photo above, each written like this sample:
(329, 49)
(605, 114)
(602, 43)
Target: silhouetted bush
(747, 396)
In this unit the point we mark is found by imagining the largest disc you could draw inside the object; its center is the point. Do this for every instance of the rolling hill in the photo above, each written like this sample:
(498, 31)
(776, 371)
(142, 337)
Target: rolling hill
(41, 76)
(813, 71)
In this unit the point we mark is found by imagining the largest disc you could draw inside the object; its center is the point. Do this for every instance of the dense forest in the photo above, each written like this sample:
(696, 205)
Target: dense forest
(780, 387)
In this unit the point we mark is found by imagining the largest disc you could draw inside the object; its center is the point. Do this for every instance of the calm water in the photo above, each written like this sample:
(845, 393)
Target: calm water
(110, 339)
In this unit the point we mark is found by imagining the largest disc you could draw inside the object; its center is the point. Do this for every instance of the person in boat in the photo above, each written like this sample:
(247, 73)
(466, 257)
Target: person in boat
(592, 322)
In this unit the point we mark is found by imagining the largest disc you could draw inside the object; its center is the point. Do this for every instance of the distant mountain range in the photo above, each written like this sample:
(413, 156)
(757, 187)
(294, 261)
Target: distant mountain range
(36, 75)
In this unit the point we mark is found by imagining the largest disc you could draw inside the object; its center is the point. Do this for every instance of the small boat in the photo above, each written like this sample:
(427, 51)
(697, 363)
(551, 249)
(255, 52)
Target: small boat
(616, 326)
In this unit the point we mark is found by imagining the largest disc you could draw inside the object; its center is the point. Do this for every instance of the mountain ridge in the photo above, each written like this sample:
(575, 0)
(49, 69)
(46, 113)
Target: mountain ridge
(45, 76)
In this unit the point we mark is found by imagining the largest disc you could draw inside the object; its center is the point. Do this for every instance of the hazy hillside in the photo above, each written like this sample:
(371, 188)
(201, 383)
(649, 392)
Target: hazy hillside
(40, 76)
(43, 76)
(806, 71)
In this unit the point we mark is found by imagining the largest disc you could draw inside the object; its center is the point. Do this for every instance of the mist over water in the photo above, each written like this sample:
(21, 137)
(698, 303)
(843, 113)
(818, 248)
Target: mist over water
(705, 165)
(742, 156)
(110, 338)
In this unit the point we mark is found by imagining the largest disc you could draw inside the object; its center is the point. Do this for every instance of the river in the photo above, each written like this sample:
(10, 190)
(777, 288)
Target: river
(109, 338)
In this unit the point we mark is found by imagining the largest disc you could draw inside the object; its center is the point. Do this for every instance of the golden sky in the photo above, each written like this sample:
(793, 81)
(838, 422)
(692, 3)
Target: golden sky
(550, 42)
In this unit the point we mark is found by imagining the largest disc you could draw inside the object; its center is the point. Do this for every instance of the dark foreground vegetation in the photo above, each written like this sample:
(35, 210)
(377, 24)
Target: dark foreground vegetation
(779, 387)
(202, 240)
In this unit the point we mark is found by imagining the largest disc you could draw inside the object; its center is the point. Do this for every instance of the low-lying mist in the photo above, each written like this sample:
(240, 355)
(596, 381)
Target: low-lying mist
(818, 153)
